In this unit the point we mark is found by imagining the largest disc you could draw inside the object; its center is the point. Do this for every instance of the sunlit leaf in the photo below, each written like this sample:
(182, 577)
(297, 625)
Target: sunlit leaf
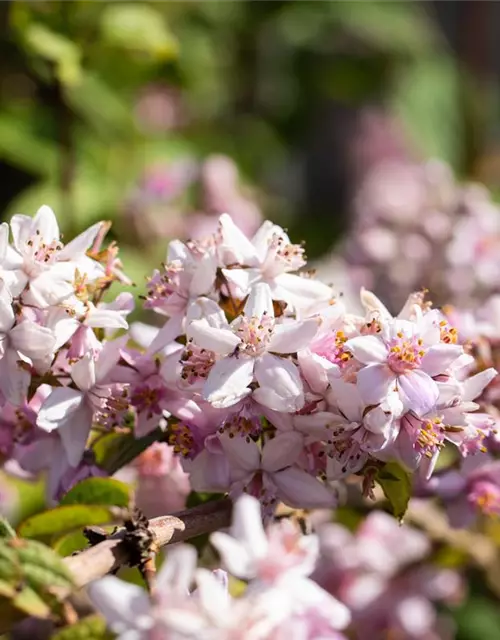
(102, 491)
(56, 48)
(62, 519)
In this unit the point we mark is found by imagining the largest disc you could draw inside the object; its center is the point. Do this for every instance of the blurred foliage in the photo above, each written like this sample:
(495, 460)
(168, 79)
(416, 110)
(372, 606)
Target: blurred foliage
(93, 94)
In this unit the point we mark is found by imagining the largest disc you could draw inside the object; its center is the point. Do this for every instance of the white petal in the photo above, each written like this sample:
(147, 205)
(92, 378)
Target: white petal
(221, 341)
(282, 451)
(372, 303)
(228, 381)
(474, 386)
(106, 319)
(4, 241)
(58, 408)
(120, 602)
(14, 380)
(418, 391)
(169, 332)
(303, 292)
(374, 383)
(80, 244)
(294, 336)
(178, 569)
(348, 399)
(21, 229)
(247, 525)
(83, 373)
(208, 310)
(235, 242)
(367, 349)
(439, 357)
(299, 489)
(204, 276)
(259, 302)
(234, 555)
(74, 433)
(7, 317)
(32, 340)
(45, 222)
(280, 386)
(243, 455)
(242, 279)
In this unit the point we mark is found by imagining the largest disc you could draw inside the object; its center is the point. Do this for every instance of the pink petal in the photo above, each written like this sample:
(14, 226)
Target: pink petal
(375, 382)
(296, 488)
(14, 381)
(282, 451)
(439, 357)
(474, 386)
(7, 317)
(418, 391)
(235, 243)
(367, 349)
(79, 245)
(228, 381)
(348, 399)
(294, 336)
(32, 340)
(243, 455)
(280, 386)
(120, 602)
(74, 433)
(58, 408)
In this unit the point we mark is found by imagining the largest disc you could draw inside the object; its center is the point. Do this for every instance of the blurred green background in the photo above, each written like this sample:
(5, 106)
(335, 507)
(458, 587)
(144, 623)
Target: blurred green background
(108, 110)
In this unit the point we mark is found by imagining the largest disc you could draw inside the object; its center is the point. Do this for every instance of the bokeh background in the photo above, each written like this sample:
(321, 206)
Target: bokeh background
(160, 116)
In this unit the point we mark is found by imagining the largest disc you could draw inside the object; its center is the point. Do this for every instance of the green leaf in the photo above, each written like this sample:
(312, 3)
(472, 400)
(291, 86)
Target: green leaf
(396, 485)
(114, 451)
(69, 543)
(62, 519)
(138, 27)
(106, 491)
(23, 148)
(56, 48)
(89, 628)
(6, 530)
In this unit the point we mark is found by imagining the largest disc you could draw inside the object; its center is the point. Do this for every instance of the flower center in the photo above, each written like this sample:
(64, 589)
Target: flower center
(405, 353)
(430, 436)
(196, 363)
(486, 497)
(147, 398)
(163, 284)
(332, 349)
(255, 334)
(291, 256)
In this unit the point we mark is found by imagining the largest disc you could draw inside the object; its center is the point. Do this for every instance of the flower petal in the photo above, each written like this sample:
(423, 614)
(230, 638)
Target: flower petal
(418, 391)
(221, 341)
(282, 451)
(298, 489)
(439, 357)
(58, 408)
(243, 455)
(294, 336)
(259, 302)
(79, 245)
(474, 386)
(120, 602)
(375, 382)
(178, 569)
(367, 349)
(348, 399)
(280, 386)
(228, 381)
(235, 246)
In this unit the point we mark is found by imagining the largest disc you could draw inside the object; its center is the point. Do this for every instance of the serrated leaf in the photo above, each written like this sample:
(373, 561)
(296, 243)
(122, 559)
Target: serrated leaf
(6, 529)
(42, 568)
(396, 485)
(102, 491)
(62, 519)
(89, 628)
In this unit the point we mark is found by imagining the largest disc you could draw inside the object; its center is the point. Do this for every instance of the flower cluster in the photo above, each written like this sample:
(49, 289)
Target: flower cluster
(279, 600)
(414, 226)
(383, 575)
(263, 382)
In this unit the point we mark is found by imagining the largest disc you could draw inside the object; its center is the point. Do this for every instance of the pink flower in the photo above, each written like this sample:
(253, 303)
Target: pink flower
(405, 356)
(247, 347)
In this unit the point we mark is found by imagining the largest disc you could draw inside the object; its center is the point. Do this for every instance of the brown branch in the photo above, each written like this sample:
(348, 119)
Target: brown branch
(112, 553)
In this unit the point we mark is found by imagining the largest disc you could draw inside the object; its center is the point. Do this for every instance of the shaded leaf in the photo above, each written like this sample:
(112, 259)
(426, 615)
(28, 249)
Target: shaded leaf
(69, 543)
(6, 530)
(62, 519)
(102, 491)
(396, 485)
(114, 451)
(56, 48)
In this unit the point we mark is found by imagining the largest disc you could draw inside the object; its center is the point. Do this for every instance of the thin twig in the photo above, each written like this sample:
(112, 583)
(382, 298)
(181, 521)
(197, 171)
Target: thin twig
(111, 554)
